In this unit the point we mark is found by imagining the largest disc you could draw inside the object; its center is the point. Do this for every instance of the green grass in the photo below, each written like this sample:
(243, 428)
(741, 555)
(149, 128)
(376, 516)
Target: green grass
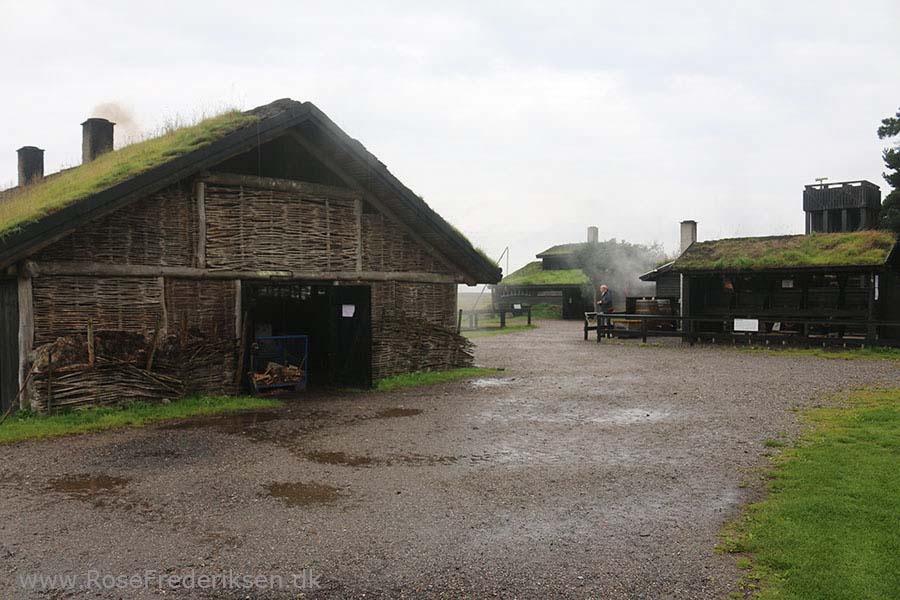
(859, 248)
(830, 526)
(534, 274)
(835, 354)
(30, 426)
(60, 190)
(408, 380)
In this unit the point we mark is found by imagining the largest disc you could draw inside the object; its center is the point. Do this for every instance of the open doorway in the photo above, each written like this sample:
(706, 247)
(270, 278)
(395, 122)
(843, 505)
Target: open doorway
(336, 320)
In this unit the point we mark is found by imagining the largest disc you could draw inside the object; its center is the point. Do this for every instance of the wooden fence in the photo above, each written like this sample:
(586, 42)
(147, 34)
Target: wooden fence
(769, 330)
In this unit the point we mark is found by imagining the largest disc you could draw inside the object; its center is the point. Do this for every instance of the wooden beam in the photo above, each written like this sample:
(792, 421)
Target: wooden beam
(238, 301)
(26, 334)
(281, 185)
(90, 269)
(369, 197)
(200, 188)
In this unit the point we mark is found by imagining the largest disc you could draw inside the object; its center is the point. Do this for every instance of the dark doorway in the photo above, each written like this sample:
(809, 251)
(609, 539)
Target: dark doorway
(335, 318)
(572, 306)
(9, 343)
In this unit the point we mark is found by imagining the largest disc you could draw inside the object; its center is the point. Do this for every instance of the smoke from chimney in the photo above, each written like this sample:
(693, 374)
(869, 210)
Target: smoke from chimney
(127, 129)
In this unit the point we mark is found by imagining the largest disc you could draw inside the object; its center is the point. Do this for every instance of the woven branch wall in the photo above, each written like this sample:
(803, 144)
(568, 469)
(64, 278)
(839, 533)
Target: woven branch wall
(413, 329)
(159, 230)
(387, 247)
(65, 305)
(256, 229)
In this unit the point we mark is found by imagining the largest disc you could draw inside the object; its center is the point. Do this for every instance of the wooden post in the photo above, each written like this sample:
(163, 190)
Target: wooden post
(644, 330)
(26, 335)
(90, 342)
(201, 224)
(502, 319)
(529, 316)
(245, 333)
(459, 322)
(155, 342)
(49, 379)
(871, 330)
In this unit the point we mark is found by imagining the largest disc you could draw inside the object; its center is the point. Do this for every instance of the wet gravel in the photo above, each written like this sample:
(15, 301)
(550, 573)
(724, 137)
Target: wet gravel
(582, 470)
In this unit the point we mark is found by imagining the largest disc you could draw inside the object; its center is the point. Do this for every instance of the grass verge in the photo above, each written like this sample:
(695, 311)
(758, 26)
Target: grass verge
(830, 527)
(31, 426)
(408, 380)
(836, 354)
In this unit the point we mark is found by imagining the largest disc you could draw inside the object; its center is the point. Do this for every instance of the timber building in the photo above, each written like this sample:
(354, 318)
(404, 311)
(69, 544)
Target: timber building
(148, 271)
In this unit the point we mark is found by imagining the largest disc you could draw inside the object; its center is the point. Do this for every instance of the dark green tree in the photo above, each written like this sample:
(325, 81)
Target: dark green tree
(890, 208)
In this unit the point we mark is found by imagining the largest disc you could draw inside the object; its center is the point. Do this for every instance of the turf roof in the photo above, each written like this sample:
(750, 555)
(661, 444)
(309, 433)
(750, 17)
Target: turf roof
(29, 204)
(855, 249)
(562, 249)
(534, 274)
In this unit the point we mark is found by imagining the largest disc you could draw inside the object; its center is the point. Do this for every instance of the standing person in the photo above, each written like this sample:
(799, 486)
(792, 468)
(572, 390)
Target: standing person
(605, 306)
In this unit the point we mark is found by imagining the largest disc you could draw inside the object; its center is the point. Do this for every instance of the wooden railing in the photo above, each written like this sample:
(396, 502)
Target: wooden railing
(470, 317)
(780, 330)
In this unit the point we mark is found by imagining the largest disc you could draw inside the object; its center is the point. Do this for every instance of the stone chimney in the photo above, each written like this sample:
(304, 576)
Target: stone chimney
(31, 165)
(593, 235)
(96, 138)
(688, 234)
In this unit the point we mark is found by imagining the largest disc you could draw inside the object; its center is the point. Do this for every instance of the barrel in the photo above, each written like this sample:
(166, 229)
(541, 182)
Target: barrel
(665, 306)
(647, 307)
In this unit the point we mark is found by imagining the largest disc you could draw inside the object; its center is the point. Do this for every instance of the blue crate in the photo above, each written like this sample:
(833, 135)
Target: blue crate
(282, 349)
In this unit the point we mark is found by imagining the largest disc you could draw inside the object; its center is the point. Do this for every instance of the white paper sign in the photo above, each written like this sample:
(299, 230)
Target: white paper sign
(746, 325)
(348, 310)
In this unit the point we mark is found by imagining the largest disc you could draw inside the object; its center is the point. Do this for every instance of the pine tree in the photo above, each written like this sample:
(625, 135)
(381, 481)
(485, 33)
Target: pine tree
(890, 208)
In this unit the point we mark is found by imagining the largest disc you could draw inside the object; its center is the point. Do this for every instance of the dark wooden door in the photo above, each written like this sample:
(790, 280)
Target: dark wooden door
(9, 343)
(353, 335)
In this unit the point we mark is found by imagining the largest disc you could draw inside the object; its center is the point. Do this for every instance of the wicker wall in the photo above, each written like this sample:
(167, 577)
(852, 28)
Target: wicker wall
(247, 229)
(254, 229)
(414, 329)
(65, 305)
(161, 230)
(387, 247)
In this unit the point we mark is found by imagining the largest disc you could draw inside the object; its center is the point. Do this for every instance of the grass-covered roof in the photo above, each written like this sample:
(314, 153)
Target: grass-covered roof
(29, 204)
(534, 274)
(562, 249)
(854, 249)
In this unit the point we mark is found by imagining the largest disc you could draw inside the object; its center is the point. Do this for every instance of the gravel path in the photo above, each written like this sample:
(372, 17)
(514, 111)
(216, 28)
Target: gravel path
(582, 470)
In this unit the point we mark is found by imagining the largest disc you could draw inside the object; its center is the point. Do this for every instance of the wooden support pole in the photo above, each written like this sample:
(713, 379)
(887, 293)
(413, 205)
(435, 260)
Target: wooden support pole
(26, 335)
(201, 224)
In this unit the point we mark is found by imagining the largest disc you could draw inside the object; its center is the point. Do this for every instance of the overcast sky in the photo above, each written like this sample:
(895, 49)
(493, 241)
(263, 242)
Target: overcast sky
(520, 122)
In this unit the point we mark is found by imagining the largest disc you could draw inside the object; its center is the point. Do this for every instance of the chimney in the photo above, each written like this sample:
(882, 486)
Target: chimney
(31, 165)
(688, 234)
(593, 235)
(96, 138)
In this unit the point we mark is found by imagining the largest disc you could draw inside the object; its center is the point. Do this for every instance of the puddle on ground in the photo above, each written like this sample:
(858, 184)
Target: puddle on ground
(87, 487)
(397, 412)
(483, 383)
(338, 458)
(236, 423)
(423, 459)
(303, 494)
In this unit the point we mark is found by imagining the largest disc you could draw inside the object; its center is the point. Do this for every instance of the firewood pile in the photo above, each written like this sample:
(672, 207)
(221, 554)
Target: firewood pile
(107, 368)
(276, 374)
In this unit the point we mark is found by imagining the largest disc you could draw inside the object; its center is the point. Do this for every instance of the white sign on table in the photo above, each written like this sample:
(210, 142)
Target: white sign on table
(747, 325)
